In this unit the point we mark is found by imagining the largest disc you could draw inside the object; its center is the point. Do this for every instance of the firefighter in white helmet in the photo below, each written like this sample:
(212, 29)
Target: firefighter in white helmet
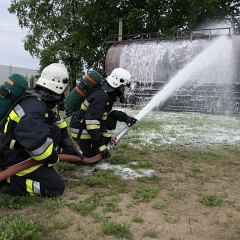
(93, 124)
(35, 131)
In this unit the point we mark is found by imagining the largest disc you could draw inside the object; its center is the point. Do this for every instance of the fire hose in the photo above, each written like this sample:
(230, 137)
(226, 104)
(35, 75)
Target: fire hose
(31, 163)
(62, 157)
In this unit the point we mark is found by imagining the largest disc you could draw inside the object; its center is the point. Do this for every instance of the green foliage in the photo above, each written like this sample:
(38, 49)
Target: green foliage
(74, 31)
(19, 229)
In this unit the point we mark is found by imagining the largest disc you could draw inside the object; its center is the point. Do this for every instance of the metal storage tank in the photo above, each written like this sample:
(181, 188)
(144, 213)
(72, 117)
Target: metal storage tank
(152, 62)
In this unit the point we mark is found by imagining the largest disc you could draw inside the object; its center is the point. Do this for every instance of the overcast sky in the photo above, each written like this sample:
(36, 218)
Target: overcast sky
(12, 51)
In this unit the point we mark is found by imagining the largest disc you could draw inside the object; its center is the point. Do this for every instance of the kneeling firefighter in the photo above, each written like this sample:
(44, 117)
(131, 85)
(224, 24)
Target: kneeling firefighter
(93, 124)
(34, 130)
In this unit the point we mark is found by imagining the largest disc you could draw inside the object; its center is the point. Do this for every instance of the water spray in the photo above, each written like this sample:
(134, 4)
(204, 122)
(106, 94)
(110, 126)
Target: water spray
(218, 49)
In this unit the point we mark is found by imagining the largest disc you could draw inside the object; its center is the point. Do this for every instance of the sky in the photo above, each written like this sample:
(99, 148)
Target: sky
(12, 52)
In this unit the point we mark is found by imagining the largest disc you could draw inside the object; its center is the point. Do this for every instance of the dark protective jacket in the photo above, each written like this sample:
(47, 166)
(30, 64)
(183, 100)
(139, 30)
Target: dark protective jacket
(35, 131)
(96, 119)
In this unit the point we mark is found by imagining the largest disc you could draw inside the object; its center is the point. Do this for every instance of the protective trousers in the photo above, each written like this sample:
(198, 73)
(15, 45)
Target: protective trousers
(43, 182)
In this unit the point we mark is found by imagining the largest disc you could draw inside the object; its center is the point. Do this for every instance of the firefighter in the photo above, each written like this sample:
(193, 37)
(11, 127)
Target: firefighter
(37, 131)
(93, 124)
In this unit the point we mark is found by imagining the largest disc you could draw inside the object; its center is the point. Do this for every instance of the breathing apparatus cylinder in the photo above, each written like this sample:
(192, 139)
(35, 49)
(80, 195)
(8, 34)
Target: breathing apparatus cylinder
(83, 88)
(12, 89)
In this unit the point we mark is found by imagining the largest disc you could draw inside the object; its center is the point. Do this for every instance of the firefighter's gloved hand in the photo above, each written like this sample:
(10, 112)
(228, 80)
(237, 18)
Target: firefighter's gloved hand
(130, 121)
(105, 154)
(69, 148)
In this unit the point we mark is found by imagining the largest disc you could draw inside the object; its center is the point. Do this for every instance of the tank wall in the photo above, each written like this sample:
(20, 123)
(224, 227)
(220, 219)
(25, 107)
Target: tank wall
(153, 62)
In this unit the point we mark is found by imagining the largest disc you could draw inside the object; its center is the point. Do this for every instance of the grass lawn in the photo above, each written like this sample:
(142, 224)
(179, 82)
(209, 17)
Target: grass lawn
(174, 176)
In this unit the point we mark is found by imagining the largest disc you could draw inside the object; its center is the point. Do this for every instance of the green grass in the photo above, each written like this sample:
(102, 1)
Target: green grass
(211, 200)
(102, 205)
(103, 178)
(19, 229)
(87, 206)
(117, 230)
(145, 193)
(151, 234)
(8, 201)
(138, 219)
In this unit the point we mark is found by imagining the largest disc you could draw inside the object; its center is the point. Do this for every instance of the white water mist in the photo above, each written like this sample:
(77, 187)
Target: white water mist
(218, 49)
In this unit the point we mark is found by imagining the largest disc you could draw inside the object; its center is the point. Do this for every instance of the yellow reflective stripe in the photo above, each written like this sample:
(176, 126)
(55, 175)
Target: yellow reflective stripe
(28, 170)
(85, 136)
(74, 135)
(102, 148)
(13, 115)
(93, 126)
(40, 150)
(29, 187)
(83, 107)
(6, 125)
(62, 125)
(12, 143)
(105, 134)
(104, 117)
(45, 154)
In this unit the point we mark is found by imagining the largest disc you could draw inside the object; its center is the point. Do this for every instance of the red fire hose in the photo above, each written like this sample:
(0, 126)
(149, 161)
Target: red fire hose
(30, 163)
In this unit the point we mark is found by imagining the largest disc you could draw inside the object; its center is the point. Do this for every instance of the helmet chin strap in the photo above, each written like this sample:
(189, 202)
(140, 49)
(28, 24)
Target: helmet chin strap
(106, 87)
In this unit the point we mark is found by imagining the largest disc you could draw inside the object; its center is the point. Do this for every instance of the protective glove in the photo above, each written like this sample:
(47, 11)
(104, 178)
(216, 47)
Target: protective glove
(69, 148)
(130, 121)
(105, 154)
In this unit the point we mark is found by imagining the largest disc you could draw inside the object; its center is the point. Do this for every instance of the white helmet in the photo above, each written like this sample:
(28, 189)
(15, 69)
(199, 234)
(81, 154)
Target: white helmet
(119, 77)
(54, 77)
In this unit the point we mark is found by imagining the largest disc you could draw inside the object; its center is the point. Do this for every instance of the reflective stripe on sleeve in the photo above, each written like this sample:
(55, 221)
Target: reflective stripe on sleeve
(105, 115)
(102, 148)
(85, 105)
(15, 115)
(92, 124)
(62, 125)
(92, 127)
(44, 151)
(85, 134)
(105, 134)
(19, 111)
